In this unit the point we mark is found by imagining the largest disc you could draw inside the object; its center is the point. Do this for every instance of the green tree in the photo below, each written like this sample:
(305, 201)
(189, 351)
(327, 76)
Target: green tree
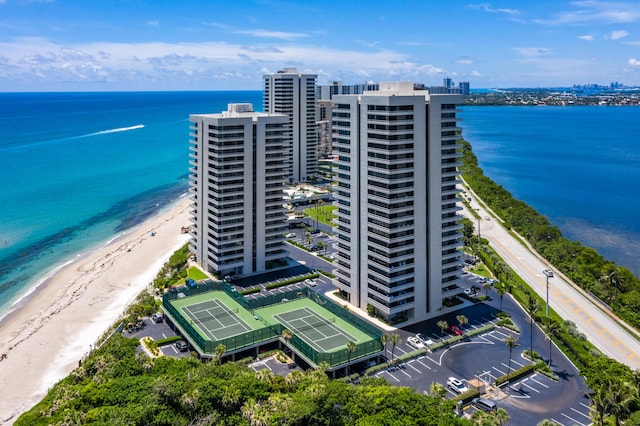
(437, 390)
(462, 320)
(532, 306)
(486, 287)
(511, 343)
(220, 350)
(552, 328)
(501, 288)
(385, 339)
(351, 346)
(395, 339)
(443, 326)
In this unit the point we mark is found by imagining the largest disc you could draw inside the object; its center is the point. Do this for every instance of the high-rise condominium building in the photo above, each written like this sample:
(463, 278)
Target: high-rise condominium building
(398, 224)
(293, 94)
(237, 177)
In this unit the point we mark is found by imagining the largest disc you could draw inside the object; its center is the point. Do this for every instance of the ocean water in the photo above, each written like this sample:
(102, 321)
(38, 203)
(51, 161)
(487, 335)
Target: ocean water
(78, 169)
(578, 166)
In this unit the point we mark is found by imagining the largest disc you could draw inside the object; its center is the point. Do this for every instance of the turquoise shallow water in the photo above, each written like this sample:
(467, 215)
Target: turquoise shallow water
(77, 169)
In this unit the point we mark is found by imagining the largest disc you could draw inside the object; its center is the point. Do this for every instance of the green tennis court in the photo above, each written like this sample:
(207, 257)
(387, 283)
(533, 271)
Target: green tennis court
(320, 333)
(215, 320)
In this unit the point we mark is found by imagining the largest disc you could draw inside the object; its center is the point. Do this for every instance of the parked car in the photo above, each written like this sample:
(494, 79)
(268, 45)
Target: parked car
(484, 405)
(182, 346)
(415, 342)
(290, 235)
(456, 385)
(157, 317)
(424, 340)
(455, 330)
(311, 282)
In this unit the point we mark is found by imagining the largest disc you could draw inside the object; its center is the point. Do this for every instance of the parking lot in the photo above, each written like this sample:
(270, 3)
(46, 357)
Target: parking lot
(486, 357)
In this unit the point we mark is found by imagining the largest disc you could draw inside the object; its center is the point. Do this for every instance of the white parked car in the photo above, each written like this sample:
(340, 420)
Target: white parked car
(426, 341)
(311, 282)
(415, 342)
(456, 385)
(290, 235)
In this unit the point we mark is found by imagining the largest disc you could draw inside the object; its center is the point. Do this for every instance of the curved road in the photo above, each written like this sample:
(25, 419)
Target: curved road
(601, 329)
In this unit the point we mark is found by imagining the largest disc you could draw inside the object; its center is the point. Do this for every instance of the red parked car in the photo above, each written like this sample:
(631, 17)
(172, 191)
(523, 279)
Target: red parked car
(455, 330)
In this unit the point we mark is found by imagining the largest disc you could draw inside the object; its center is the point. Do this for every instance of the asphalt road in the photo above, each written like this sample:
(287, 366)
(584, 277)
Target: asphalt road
(570, 303)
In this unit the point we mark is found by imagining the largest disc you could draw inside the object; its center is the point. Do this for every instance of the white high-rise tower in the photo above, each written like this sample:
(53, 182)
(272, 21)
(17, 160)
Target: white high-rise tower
(293, 94)
(237, 176)
(398, 224)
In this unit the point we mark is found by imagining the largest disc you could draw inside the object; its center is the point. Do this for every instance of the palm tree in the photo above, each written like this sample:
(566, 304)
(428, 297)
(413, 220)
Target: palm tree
(486, 287)
(462, 320)
(395, 340)
(286, 335)
(437, 390)
(619, 396)
(552, 328)
(501, 288)
(501, 416)
(443, 326)
(531, 305)
(385, 339)
(351, 346)
(511, 343)
(220, 350)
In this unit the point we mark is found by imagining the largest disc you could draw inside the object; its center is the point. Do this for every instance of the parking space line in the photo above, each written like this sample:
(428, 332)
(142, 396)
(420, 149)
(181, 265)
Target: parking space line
(394, 377)
(555, 421)
(581, 413)
(513, 361)
(540, 383)
(502, 373)
(405, 373)
(572, 419)
(523, 383)
(409, 364)
(422, 363)
(585, 406)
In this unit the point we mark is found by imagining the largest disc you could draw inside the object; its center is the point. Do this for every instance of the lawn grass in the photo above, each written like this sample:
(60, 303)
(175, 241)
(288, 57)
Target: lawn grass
(322, 213)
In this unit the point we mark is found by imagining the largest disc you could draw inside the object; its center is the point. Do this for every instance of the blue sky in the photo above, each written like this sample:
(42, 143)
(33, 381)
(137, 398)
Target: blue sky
(78, 45)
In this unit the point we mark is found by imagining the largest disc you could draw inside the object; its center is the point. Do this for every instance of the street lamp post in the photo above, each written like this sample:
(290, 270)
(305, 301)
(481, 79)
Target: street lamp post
(547, 275)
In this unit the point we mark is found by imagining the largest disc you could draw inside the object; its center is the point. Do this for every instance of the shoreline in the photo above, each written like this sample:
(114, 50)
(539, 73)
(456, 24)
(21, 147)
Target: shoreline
(56, 323)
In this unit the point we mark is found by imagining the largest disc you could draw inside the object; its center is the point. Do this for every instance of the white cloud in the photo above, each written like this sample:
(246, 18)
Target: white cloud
(487, 8)
(617, 35)
(272, 34)
(532, 52)
(205, 65)
(634, 62)
(153, 23)
(476, 74)
(595, 11)
(465, 60)
(586, 37)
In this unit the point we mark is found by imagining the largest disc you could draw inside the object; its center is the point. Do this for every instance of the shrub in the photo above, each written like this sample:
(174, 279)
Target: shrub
(250, 291)
(467, 396)
(516, 374)
(167, 340)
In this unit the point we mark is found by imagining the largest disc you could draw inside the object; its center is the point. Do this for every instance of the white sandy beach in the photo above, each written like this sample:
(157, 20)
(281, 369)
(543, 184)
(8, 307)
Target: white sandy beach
(45, 339)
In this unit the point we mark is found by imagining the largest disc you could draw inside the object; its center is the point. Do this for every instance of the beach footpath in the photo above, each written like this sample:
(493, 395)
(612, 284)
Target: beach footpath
(44, 340)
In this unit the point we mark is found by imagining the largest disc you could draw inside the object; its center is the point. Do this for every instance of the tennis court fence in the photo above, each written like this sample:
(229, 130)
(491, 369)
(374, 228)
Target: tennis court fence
(271, 332)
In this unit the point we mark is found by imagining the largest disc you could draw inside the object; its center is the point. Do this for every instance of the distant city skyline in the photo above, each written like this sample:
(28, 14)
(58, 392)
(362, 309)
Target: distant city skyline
(72, 45)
